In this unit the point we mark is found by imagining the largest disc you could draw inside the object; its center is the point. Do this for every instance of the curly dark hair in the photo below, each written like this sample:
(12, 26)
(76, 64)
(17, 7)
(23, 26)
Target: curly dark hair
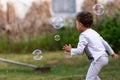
(85, 17)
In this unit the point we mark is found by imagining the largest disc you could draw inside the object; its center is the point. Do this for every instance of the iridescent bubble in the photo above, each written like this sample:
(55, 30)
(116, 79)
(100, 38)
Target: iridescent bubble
(98, 9)
(57, 37)
(37, 54)
(57, 22)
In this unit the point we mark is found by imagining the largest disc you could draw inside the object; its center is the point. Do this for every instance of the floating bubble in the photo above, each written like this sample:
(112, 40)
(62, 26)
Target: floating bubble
(57, 37)
(37, 54)
(57, 22)
(67, 55)
(98, 9)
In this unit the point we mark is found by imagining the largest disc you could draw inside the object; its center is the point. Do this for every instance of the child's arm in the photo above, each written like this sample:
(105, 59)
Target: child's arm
(109, 49)
(73, 51)
(80, 47)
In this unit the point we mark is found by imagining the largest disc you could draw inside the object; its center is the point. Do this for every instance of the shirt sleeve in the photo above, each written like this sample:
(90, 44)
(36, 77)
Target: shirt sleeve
(107, 47)
(80, 47)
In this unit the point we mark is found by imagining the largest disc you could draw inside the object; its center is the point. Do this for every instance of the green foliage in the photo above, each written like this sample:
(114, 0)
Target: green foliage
(109, 28)
(44, 42)
(68, 36)
(3, 44)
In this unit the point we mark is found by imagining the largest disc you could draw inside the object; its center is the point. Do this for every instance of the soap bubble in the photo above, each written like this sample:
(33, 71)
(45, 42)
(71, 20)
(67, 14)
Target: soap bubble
(57, 22)
(57, 37)
(98, 9)
(37, 54)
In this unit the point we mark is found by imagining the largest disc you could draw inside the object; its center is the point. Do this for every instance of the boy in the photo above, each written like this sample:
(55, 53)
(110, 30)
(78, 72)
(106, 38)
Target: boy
(92, 43)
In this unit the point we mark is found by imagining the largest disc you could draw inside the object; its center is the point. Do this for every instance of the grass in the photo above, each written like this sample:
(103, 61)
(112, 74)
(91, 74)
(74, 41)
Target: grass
(74, 68)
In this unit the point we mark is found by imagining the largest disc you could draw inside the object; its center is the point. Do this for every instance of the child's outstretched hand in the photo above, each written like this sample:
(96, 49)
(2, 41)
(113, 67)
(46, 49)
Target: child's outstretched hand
(67, 47)
(115, 56)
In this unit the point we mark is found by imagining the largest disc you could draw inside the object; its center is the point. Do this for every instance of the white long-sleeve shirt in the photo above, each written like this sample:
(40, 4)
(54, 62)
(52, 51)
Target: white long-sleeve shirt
(93, 44)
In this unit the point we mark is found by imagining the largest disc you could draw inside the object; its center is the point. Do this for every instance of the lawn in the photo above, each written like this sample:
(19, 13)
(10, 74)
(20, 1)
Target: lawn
(74, 68)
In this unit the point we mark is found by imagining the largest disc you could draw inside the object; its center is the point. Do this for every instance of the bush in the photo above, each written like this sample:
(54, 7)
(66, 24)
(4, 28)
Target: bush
(44, 42)
(109, 28)
(69, 35)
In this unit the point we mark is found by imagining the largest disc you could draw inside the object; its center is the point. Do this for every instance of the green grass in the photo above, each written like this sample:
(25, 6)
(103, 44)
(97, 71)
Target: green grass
(74, 68)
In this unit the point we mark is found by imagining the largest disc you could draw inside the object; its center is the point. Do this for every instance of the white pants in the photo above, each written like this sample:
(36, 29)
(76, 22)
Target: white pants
(95, 67)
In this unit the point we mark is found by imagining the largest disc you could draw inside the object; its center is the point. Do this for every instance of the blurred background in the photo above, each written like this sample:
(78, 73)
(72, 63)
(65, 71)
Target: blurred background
(29, 28)
(25, 24)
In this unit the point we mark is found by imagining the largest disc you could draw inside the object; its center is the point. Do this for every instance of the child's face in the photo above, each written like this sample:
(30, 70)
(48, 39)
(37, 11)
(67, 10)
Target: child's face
(79, 26)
